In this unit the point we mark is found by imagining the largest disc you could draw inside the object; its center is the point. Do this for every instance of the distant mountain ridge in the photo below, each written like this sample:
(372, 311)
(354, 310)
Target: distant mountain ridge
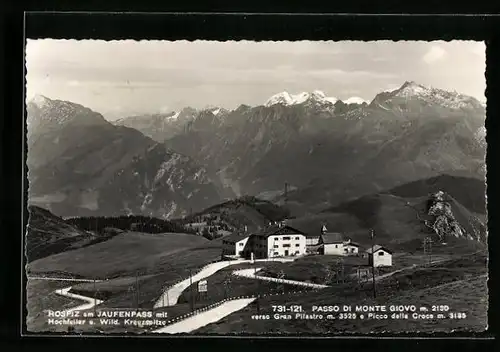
(325, 150)
(159, 126)
(403, 135)
(80, 164)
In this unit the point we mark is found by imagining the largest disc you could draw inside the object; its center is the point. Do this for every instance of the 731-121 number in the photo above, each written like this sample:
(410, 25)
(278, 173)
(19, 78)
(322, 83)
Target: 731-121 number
(290, 309)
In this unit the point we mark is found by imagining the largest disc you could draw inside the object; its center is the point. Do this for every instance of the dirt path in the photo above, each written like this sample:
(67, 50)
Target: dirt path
(208, 317)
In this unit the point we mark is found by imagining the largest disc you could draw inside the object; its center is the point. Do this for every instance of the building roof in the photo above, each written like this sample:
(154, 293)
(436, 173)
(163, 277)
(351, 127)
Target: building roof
(376, 248)
(279, 230)
(235, 237)
(355, 244)
(331, 237)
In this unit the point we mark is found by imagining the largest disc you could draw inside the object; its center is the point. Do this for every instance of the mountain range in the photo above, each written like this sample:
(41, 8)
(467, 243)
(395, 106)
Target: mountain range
(343, 151)
(80, 164)
(325, 150)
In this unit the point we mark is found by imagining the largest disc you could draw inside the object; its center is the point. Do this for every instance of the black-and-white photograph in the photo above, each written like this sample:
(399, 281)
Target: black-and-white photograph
(261, 188)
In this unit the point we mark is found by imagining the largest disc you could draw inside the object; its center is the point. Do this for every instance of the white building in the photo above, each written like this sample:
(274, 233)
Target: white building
(333, 243)
(351, 248)
(379, 256)
(234, 245)
(277, 241)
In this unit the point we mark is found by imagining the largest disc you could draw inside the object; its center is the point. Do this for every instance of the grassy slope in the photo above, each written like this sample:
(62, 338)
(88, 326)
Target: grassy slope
(393, 218)
(40, 296)
(459, 283)
(168, 269)
(48, 234)
(123, 255)
(467, 191)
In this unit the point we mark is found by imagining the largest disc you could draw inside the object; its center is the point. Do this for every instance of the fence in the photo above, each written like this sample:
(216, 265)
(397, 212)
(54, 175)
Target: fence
(219, 303)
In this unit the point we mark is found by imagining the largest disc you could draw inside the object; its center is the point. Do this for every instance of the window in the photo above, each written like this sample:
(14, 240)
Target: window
(276, 238)
(296, 252)
(286, 245)
(276, 246)
(297, 245)
(297, 238)
(336, 246)
(286, 238)
(241, 244)
(275, 253)
(380, 253)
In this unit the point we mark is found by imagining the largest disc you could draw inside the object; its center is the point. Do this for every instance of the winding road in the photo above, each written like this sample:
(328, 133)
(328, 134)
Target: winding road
(170, 297)
(207, 317)
(252, 274)
(91, 302)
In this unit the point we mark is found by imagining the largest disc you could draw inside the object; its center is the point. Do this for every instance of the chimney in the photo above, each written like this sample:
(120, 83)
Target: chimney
(324, 229)
(246, 228)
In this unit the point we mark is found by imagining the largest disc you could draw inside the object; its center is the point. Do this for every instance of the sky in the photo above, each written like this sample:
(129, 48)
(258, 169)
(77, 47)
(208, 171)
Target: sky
(123, 78)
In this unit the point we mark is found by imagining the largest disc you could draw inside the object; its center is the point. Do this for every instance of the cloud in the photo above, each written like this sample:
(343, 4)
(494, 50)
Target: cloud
(434, 54)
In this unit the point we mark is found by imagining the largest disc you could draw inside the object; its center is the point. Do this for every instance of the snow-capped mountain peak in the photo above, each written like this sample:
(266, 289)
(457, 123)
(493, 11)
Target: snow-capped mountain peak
(411, 88)
(355, 100)
(429, 95)
(40, 101)
(285, 98)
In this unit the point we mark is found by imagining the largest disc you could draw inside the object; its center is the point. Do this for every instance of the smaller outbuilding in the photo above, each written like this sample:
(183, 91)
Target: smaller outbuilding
(234, 244)
(379, 256)
(351, 248)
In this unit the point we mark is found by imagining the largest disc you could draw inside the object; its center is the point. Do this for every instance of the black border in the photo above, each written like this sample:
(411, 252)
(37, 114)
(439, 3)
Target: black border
(233, 26)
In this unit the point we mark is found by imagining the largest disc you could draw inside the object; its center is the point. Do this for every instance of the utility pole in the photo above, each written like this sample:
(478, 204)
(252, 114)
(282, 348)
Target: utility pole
(281, 276)
(258, 289)
(372, 235)
(137, 291)
(286, 192)
(191, 286)
(95, 300)
(428, 248)
(342, 271)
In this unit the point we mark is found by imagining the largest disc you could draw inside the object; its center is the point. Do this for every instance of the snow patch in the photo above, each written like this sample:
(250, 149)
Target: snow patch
(175, 116)
(171, 211)
(355, 100)
(40, 101)
(166, 166)
(285, 98)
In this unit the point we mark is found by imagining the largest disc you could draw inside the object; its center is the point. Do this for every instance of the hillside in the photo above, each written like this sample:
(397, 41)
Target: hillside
(252, 212)
(81, 165)
(470, 192)
(404, 222)
(48, 234)
(404, 216)
(460, 284)
(125, 254)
